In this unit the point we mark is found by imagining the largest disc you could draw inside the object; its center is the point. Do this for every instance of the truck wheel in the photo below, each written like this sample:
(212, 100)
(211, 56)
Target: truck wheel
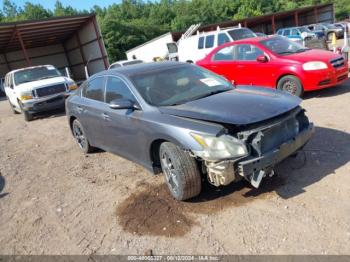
(180, 171)
(80, 137)
(291, 84)
(27, 116)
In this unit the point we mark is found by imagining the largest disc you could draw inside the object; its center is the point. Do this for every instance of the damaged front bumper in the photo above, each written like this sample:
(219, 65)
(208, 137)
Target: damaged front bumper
(268, 145)
(254, 169)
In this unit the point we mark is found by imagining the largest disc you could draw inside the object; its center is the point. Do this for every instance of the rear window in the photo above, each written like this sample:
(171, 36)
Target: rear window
(201, 42)
(95, 89)
(241, 33)
(132, 62)
(286, 32)
(209, 41)
(115, 66)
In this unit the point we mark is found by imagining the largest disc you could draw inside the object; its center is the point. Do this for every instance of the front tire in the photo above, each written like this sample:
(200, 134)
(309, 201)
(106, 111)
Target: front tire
(180, 171)
(80, 137)
(291, 84)
(27, 116)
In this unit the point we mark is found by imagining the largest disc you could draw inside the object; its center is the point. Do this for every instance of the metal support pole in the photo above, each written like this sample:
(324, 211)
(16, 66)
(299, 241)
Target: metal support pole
(296, 18)
(23, 48)
(99, 40)
(7, 62)
(66, 54)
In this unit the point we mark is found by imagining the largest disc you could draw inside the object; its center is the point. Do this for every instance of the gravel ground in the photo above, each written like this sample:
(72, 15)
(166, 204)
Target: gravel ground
(55, 200)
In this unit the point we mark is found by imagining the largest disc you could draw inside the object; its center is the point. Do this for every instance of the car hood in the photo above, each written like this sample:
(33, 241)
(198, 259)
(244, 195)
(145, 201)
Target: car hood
(29, 86)
(313, 55)
(240, 106)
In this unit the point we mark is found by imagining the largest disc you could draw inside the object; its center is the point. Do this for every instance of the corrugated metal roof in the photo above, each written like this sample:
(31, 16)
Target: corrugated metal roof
(41, 32)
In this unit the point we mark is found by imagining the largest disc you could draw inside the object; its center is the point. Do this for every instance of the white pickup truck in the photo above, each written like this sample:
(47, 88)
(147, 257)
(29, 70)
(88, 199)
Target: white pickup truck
(36, 89)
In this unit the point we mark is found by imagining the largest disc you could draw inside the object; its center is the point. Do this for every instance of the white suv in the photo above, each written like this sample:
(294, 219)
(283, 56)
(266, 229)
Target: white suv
(196, 47)
(36, 89)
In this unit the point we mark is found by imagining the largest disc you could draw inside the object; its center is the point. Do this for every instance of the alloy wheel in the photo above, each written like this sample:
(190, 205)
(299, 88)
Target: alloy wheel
(170, 172)
(290, 87)
(79, 135)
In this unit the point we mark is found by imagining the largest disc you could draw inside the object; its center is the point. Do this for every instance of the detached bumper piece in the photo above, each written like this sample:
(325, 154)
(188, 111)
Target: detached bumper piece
(255, 169)
(46, 105)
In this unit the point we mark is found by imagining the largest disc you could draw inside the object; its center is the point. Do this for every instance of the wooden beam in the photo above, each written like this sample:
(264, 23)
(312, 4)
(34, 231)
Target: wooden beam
(316, 14)
(23, 48)
(99, 40)
(273, 24)
(296, 18)
(7, 62)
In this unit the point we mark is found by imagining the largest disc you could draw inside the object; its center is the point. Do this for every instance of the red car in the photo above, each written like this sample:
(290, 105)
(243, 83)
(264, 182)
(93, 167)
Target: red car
(277, 62)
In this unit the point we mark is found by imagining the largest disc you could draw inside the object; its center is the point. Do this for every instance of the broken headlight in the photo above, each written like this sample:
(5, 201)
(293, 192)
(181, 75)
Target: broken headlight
(219, 148)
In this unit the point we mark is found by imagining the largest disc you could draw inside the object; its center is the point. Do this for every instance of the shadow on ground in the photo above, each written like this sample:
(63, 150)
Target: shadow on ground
(329, 92)
(2, 186)
(50, 114)
(328, 150)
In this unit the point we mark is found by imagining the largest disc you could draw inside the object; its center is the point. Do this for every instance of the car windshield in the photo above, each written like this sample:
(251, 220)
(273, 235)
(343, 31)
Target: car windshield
(283, 46)
(241, 33)
(330, 26)
(178, 85)
(36, 73)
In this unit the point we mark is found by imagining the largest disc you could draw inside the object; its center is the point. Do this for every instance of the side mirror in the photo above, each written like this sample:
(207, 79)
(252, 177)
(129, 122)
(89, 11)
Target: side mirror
(262, 59)
(122, 103)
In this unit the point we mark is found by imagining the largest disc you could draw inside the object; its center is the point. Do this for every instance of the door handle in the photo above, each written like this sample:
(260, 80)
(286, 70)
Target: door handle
(106, 117)
(80, 109)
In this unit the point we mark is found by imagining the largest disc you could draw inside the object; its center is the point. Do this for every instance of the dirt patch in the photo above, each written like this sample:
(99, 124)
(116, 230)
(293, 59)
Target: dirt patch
(152, 211)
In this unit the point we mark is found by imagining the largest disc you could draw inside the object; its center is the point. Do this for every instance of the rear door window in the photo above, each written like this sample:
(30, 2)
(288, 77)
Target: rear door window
(295, 32)
(286, 32)
(224, 54)
(209, 41)
(201, 42)
(95, 89)
(223, 38)
(117, 89)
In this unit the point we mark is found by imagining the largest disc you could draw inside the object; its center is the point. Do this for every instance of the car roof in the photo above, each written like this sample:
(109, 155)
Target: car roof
(248, 40)
(135, 69)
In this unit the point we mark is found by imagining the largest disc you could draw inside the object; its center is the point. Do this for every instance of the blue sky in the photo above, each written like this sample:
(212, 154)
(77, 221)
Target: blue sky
(78, 4)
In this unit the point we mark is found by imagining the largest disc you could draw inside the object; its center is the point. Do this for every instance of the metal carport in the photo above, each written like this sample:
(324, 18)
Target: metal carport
(70, 41)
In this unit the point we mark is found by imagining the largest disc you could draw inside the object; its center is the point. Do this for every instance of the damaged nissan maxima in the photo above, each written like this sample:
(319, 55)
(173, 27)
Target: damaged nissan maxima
(188, 123)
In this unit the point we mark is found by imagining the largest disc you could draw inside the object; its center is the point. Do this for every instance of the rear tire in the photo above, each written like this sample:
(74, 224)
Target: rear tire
(181, 172)
(80, 137)
(291, 84)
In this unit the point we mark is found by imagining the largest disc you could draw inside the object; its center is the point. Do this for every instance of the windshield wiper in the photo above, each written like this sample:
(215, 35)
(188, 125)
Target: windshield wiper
(302, 50)
(45, 77)
(286, 52)
(208, 94)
